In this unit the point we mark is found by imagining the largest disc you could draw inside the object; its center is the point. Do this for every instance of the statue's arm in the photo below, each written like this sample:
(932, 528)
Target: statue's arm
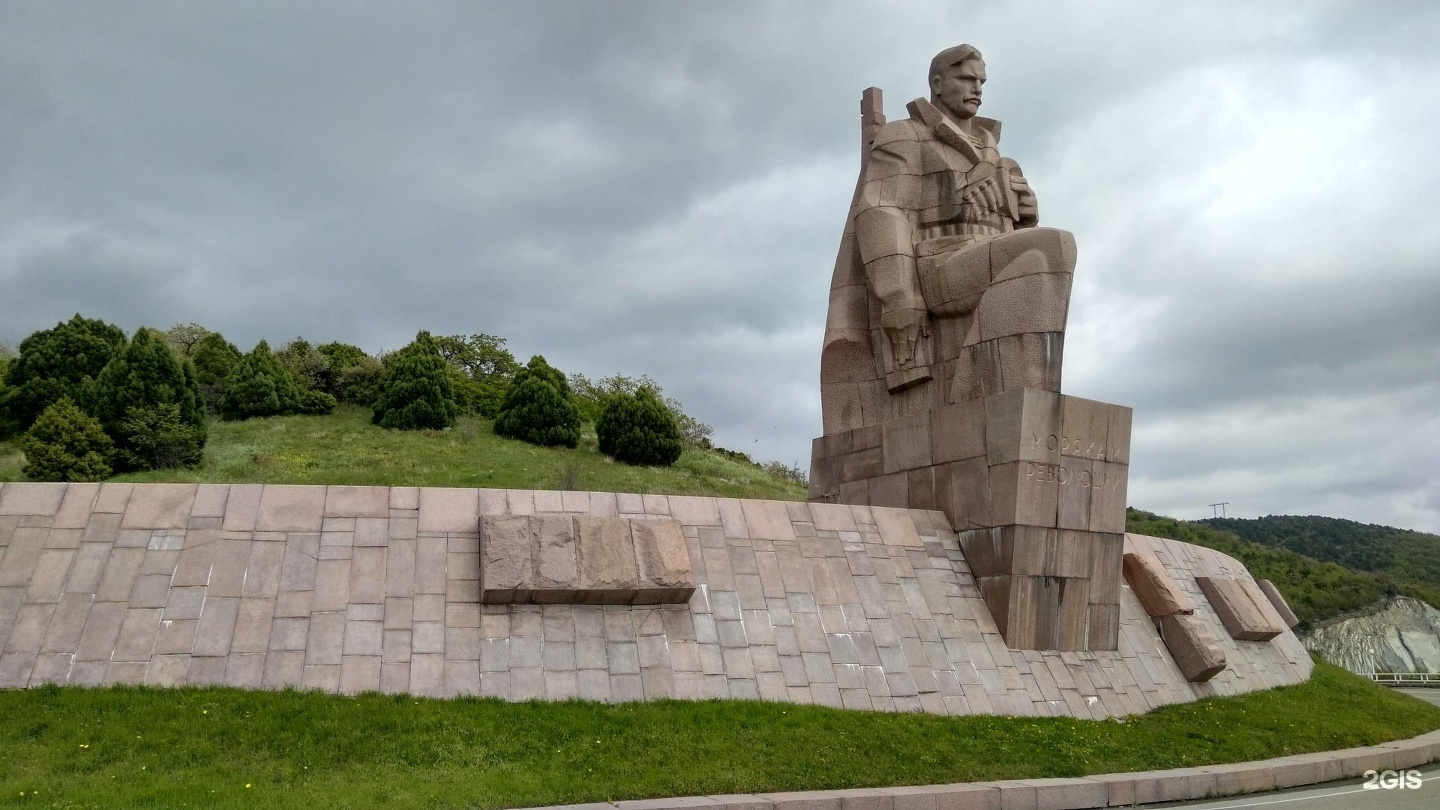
(884, 227)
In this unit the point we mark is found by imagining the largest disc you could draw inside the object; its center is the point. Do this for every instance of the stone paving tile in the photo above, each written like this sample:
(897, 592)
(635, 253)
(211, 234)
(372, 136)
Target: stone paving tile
(844, 606)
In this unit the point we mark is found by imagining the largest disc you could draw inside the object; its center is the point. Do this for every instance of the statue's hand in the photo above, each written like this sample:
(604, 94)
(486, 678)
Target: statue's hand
(1027, 212)
(905, 328)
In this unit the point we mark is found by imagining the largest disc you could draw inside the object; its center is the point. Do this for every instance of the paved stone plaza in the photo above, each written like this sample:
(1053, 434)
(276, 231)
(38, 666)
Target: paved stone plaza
(350, 589)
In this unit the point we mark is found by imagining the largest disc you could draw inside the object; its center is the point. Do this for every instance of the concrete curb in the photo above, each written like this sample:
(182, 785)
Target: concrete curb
(1103, 790)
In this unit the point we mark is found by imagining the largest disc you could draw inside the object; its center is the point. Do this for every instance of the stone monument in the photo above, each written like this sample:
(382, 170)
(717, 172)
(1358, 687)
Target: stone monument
(940, 372)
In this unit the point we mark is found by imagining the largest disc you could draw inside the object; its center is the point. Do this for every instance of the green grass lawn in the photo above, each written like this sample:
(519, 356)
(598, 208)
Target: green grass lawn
(137, 747)
(345, 448)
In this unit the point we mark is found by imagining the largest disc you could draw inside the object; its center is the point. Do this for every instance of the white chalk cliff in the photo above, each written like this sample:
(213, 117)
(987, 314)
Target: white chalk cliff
(1401, 636)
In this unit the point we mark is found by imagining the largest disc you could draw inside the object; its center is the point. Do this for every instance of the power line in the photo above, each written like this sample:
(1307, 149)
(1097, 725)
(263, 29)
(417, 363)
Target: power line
(1218, 509)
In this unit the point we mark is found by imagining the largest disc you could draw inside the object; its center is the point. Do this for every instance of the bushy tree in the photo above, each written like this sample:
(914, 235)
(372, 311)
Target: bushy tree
(309, 367)
(538, 407)
(316, 403)
(185, 338)
(351, 375)
(591, 398)
(66, 444)
(214, 358)
(259, 385)
(483, 370)
(55, 363)
(417, 392)
(360, 383)
(146, 374)
(159, 438)
(638, 429)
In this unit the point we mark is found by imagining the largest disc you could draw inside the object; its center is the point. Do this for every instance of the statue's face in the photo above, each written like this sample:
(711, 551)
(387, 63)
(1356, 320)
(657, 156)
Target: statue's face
(958, 88)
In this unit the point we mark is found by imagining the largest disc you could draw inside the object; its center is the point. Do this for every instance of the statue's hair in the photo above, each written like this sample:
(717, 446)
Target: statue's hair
(951, 57)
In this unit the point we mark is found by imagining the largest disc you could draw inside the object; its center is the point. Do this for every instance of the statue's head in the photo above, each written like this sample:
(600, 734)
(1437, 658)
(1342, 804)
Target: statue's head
(956, 76)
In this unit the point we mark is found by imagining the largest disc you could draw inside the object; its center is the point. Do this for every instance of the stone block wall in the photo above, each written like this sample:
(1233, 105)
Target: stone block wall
(1035, 481)
(350, 589)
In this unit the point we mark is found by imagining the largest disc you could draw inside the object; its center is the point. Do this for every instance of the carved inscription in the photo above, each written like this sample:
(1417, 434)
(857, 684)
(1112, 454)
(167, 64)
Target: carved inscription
(1064, 476)
(1084, 448)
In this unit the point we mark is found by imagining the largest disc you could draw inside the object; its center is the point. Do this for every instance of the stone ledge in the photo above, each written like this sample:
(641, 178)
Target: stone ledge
(565, 559)
(1101, 790)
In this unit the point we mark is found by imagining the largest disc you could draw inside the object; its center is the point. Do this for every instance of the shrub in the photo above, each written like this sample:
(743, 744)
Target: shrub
(638, 429)
(417, 392)
(52, 364)
(361, 383)
(259, 386)
(146, 374)
(538, 407)
(590, 399)
(159, 438)
(65, 444)
(316, 403)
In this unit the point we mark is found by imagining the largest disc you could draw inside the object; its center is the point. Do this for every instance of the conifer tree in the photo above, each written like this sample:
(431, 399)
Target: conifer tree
(144, 375)
(259, 385)
(55, 363)
(65, 444)
(416, 393)
(638, 429)
(538, 407)
(214, 358)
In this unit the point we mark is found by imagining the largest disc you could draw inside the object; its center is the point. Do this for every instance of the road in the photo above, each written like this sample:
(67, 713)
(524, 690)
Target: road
(1348, 794)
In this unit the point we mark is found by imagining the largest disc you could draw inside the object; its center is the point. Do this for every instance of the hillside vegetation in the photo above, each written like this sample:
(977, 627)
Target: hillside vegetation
(345, 448)
(1316, 590)
(1395, 555)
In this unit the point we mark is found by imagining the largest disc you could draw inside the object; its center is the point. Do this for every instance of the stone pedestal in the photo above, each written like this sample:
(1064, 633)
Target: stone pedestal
(1034, 482)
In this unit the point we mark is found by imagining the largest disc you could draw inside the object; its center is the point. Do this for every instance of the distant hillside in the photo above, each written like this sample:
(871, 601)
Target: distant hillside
(1316, 590)
(1401, 555)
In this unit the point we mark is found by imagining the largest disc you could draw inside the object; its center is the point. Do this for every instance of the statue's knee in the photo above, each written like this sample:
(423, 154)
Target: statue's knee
(954, 283)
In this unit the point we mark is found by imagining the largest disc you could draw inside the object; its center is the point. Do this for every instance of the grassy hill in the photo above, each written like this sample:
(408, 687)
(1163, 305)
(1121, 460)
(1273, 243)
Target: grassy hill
(345, 448)
(1400, 555)
(1317, 590)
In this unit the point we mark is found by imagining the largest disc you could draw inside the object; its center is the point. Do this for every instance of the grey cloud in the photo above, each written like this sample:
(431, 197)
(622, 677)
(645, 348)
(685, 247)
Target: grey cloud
(658, 187)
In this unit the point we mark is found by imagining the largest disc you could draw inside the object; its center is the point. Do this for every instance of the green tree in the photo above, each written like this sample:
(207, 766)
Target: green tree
(638, 429)
(159, 438)
(591, 397)
(354, 376)
(417, 392)
(66, 444)
(146, 374)
(214, 358)
(486, 364)
(259, 386)
(55, 363)
(309, 367)
(539, 408)
(185, 338)
(361, 383)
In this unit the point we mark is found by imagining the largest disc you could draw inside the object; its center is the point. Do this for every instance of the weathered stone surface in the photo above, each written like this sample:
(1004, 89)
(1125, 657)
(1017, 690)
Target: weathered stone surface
(866, 608)
(608, 572)
(1242, 608)
(663, 563)
(1278, 602)
(556, 565)
(1159, 593)
(1196, 650)
(507, 566)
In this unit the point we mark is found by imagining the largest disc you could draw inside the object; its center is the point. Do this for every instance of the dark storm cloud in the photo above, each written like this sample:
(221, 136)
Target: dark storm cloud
(657, 188)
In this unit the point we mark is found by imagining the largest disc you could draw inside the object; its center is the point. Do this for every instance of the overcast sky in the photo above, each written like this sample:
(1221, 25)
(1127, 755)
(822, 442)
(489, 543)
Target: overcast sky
(659, 188)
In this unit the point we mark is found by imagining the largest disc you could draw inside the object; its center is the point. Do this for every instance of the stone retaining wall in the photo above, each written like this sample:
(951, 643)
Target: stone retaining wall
(363, 588)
